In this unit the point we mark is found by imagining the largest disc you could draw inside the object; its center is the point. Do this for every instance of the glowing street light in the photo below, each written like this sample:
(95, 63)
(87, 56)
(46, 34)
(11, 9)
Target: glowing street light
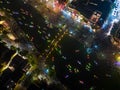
(117, 57)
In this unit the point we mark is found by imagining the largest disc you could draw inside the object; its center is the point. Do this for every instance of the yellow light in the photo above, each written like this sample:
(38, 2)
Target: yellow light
(117, 57)
(11, 36)
(1, 22)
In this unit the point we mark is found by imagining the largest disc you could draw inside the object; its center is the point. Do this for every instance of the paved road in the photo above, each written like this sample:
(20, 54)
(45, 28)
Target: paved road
(81, 68)
(27, 18)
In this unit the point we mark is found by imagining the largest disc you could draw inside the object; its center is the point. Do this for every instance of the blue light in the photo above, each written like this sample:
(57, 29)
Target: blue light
(71, 32)
(66, 14)
(90, 30)
(46, 71)
(89, 50)
(96, 46)
(88, 27)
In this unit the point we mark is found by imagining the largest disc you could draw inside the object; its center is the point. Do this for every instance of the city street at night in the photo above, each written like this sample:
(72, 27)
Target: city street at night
(60, 44)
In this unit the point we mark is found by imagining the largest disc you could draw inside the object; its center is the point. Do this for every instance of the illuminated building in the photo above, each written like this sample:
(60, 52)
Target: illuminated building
(115, 32)
(95, 17)
(88, 7)
(113, 18)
